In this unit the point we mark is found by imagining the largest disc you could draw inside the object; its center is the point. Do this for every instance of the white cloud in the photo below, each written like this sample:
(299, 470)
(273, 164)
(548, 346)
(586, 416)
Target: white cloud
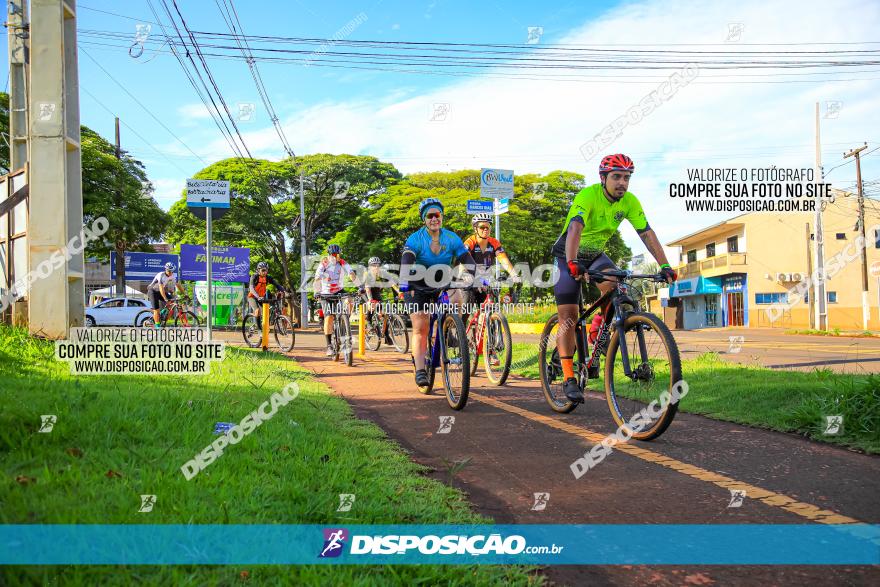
(538, 126)
(166, 191)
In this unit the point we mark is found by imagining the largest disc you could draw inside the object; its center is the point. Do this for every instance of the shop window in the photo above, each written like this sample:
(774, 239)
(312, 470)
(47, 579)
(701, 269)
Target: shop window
(692, 256)
(832, 297)
(841, 236)
(877, 239)
(710, 250)
(733, 244)
(769, 298)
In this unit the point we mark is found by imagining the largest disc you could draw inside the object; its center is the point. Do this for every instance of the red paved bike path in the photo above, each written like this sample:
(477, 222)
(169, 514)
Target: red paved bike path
(515, 446)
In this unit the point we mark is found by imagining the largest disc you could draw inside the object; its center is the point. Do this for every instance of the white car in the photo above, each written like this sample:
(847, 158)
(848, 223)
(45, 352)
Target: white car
(116, 312)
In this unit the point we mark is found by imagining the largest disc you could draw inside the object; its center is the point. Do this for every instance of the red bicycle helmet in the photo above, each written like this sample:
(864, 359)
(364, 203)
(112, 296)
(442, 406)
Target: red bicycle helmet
(616, 162)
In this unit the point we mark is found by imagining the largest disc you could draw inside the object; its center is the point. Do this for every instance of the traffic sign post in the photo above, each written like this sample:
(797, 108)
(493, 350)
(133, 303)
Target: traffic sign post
(203, 198)
(496, 184)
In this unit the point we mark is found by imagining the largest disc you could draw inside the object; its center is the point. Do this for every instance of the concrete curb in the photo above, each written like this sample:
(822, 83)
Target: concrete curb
(526, 328)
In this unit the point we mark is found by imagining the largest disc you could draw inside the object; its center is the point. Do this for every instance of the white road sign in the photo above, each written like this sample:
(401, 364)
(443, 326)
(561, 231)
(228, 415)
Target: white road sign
(496, 183)
(207, 193)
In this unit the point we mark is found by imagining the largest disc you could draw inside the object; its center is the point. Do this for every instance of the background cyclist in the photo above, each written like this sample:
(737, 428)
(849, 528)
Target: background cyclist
(374, 287)
(485, 249)
(595, 214)
(431, 247)
(162, 289)
(329, 279)
(257, 287)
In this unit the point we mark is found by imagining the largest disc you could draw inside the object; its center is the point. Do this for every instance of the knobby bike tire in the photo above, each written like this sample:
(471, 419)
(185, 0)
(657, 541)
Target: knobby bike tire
(251, 331)
(346, 350)
(497, 374)
(285, 336)
(399, 334)
(455, 340)
(373, 336)
(551, 370)
(668, 414)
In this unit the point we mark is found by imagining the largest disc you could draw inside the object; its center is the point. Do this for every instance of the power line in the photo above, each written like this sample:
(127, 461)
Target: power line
(136, 133)
(116, 14)
(141, 104)
(252, 66)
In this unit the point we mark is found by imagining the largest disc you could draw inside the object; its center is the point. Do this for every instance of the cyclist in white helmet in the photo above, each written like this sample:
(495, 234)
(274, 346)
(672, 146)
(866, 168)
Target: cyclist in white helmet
(162, 290)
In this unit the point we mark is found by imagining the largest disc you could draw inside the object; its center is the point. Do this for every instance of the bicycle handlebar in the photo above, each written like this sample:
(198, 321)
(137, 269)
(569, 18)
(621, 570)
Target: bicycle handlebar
(620, 273)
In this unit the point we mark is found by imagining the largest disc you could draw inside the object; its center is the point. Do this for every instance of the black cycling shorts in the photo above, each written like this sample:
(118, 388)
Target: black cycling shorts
(566, 289)
(418, 301)
(156, 298)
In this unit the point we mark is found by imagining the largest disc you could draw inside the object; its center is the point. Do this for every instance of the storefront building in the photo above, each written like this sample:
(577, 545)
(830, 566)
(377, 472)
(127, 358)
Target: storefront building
(740, 272)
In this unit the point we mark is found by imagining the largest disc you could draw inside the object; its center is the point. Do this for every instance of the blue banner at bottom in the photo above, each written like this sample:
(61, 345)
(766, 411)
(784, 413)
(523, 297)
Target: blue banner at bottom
(661, 544)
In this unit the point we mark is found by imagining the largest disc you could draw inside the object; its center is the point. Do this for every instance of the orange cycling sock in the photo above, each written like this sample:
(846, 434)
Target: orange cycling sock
(567, 367)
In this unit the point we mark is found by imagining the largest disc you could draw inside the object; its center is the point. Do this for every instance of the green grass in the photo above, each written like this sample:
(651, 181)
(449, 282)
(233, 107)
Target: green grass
(290, 470)
(834, 332)
(787, 401)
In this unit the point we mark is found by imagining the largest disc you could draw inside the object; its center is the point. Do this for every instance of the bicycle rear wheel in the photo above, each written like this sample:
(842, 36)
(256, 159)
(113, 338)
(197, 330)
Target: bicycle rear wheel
(551, 368)
(398, 332)
(497, 348)
(284, 333)
(641, 403)
(251, 331)
(186, 319)
(455, 361)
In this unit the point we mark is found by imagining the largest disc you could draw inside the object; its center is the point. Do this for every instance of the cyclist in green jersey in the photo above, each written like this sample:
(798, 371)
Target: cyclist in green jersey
(595, 214)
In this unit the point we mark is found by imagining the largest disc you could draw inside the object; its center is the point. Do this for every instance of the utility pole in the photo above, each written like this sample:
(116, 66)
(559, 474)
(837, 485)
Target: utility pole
(810, 272)
(17, 26)
(120, 245)
(865, 310)
(304, 296)
(57, 302)
(821, 316)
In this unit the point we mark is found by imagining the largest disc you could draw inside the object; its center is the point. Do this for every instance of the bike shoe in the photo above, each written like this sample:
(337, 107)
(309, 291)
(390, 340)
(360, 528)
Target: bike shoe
(573, 391)
(422, 378)
(331, 352)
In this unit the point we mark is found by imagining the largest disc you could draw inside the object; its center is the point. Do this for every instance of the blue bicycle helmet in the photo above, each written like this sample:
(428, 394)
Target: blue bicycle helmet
(333, 249)
(428, 203)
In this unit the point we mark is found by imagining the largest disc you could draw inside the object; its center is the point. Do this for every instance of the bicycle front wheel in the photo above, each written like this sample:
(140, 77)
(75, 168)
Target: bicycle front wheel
(455, 361)
(344, 339)
(497, 349)
(251, 331)
(551, 368)
(399, 334)
(284, 334)
(645, 402)
(373, 336)
(186, 319)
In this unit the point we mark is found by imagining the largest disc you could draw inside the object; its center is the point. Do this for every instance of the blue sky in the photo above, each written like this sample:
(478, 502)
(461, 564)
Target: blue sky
(529, 126)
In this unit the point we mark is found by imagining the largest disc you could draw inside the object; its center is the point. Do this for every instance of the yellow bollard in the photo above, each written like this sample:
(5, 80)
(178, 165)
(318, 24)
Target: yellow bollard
(265, 316)
(362, 332)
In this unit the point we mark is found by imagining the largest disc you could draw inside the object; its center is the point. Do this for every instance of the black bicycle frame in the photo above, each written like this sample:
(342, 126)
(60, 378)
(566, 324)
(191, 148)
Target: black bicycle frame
(612, 301)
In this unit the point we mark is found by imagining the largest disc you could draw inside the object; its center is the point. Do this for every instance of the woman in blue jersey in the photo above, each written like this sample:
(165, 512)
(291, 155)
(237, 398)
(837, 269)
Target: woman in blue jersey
(433, 248)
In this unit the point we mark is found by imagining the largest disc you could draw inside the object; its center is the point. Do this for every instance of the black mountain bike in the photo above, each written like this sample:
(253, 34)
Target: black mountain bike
(252, 327)
(341, 337)
(389, 327)
(641, 359)
(447, 351)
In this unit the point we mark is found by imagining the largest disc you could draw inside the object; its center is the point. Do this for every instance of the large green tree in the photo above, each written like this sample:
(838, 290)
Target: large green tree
(265, 212)
(117, 188)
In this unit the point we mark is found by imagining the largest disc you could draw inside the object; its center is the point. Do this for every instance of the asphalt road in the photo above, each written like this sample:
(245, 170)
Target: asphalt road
(513, 446)
(771, 348)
